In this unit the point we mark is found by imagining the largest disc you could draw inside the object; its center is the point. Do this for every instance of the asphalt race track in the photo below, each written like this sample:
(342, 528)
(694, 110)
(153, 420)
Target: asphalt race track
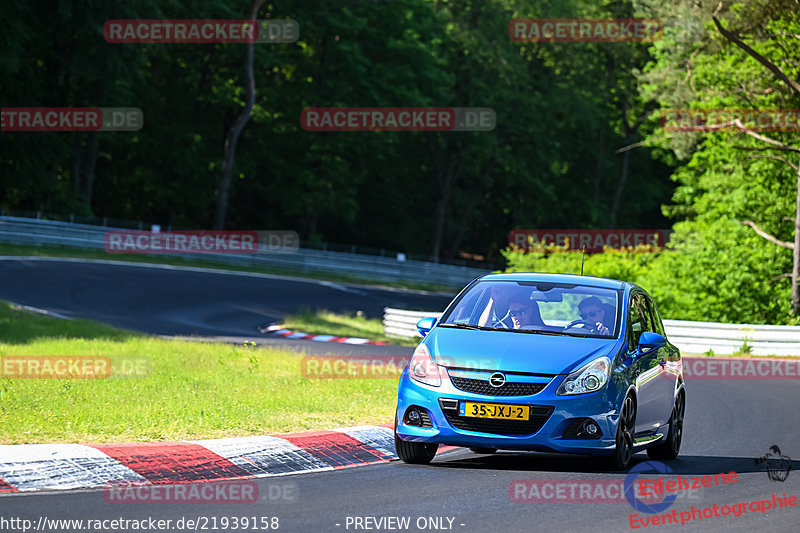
(164, 300)
(728, 425)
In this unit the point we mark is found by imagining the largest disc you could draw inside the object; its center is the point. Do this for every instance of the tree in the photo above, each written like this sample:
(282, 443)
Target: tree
(236, 129)
(794, 86)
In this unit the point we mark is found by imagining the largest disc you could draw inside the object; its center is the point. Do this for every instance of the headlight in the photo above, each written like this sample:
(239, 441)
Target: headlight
(422, 368)
(589, 378)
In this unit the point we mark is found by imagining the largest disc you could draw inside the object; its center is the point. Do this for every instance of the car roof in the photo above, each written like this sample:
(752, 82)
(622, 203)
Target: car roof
(590, 281)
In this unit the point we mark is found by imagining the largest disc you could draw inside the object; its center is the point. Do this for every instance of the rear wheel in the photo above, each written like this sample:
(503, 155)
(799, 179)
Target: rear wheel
(415, 453)
(625, 428)
(672, 444)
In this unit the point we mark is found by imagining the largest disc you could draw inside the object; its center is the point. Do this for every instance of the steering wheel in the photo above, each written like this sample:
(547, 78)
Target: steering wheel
(579, 321)
(499, 322)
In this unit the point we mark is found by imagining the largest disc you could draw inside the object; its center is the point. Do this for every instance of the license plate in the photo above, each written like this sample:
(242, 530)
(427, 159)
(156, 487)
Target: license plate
(493, 410)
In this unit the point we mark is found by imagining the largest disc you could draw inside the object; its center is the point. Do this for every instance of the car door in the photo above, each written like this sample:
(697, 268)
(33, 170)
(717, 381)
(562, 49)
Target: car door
(667, 359)
(645, 366)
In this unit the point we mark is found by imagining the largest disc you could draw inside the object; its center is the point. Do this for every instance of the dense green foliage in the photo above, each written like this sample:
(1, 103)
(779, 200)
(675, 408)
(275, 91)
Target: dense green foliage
(562, 111)
(715, 268)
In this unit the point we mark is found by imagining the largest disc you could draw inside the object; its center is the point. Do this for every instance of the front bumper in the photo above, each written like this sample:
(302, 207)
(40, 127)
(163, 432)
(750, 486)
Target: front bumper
(553, 415)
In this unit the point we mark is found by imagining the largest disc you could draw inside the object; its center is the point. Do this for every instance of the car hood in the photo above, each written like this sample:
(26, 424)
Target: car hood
(510, 351)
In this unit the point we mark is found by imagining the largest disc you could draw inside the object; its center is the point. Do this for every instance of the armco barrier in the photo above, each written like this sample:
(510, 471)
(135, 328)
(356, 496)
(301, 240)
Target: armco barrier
(36, 232)
(689, 337)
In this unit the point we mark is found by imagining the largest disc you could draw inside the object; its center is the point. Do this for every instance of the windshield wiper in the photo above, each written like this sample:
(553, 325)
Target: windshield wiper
(531, 331)
(472, 326)
(540, 331)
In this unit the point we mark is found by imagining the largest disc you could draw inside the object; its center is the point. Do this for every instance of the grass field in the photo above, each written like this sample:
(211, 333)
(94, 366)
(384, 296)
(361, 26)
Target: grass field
(190, 390)
(328, 323)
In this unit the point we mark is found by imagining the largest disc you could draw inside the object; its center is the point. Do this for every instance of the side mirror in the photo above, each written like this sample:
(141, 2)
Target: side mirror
(650, 341)
(426, 324)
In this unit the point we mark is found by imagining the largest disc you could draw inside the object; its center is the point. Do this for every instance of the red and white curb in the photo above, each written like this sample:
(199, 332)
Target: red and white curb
(37, 467)
(278, 331)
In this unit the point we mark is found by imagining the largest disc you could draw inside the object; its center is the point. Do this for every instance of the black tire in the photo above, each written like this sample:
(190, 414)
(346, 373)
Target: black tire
(623, 451)
(484, 451)
(414, 453)
(671, 446)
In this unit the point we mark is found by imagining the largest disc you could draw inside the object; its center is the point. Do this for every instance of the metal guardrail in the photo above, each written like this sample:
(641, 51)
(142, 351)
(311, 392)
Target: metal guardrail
(689, 337)
(36, 232)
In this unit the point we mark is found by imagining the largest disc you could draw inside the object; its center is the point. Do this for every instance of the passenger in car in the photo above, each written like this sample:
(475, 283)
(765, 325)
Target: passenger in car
(496, 313)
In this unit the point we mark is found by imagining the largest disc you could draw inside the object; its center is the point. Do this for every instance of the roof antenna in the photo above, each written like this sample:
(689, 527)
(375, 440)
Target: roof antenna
(583, 255)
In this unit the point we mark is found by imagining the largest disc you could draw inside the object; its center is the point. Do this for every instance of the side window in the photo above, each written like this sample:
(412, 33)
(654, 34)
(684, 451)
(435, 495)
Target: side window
(639, 319)
(658, 326)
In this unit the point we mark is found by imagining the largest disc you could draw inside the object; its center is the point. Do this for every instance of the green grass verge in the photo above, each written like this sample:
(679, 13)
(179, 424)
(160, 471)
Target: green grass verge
(327, 323)
(193, 389)
(177, 260)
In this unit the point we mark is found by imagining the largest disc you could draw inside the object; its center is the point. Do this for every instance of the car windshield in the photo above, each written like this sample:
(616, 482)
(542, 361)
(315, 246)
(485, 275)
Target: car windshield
(537, 307)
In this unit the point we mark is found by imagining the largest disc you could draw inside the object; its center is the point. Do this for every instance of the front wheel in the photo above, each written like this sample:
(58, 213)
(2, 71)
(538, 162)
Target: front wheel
(415, 453)
(672, 444)
(625, 429)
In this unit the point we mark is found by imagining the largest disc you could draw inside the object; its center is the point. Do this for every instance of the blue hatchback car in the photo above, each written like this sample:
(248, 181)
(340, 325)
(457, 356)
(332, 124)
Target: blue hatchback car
(543, 362)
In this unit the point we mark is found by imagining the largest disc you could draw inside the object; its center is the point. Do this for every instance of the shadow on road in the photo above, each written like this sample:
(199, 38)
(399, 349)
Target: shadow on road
(694, 465)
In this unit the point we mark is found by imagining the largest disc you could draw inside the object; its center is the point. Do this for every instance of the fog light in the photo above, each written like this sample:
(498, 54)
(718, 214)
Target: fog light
(413, 417)
(591, 429)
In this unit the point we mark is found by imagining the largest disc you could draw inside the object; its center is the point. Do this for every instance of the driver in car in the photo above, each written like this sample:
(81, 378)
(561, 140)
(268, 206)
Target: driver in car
(593, 313)
(496, 313)
(510, 310)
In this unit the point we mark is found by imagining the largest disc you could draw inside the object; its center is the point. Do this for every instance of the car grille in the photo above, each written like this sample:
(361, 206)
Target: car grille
(482, 386)
(538, 416)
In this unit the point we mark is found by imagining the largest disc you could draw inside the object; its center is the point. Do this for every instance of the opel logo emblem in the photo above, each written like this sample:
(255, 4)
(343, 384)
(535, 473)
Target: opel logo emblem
(497, 380)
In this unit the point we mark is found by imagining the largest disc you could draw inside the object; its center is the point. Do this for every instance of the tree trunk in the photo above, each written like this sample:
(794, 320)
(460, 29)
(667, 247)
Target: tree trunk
(623, 178)
(446, 178)
(796, 252)
(468, 208)
(76, 165)
(232, 138)
(598, 167)
(91, 163)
